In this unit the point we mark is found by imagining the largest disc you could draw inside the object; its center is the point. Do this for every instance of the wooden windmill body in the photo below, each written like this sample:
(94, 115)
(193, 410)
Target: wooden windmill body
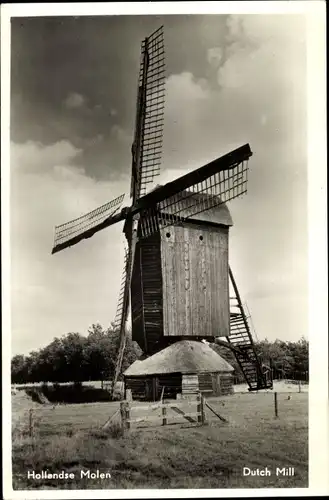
(176, 272)
(180, 281)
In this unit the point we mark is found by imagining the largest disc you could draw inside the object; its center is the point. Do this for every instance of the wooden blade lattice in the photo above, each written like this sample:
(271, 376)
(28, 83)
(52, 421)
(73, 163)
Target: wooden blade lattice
(147, 147)
(71, 232)
(124, 298)
(119, 310)
(202, 196)
(154, 109)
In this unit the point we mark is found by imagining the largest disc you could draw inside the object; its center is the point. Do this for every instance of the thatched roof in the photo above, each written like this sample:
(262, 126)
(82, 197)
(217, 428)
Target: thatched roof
(185, 356)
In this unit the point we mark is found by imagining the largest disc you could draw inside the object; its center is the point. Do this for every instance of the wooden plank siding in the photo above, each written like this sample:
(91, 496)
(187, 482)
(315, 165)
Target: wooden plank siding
(216, 384)
(152, 291)
(146, 294)
(195, 280)
(206, 382)
(226, 384)
(137, 312)
(190, 384)
(149, 388)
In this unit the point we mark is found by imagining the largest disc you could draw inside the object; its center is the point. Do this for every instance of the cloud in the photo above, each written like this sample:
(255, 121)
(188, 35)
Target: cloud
(259, 97)
(74, 100)
(120, 135)
(32, 157)
(262, 74)
(215, 56)
(94, 141)
(46, 190)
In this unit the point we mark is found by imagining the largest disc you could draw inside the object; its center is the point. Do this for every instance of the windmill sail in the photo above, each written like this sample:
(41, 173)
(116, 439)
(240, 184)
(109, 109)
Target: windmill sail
(218, 182)
(124, 298)
(72, 232)
(147, 146)
(122, 314)
(121, 300)
(146, 156)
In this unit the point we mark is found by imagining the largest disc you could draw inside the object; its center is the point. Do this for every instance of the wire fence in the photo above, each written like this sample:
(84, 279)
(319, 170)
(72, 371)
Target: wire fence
(45, 421)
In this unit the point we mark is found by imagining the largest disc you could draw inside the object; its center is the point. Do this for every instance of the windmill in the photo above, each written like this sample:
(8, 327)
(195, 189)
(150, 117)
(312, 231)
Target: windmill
(159, 227)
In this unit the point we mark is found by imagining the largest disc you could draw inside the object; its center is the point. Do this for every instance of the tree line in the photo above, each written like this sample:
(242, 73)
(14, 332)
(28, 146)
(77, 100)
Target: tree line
(77, 358)
(288, 360)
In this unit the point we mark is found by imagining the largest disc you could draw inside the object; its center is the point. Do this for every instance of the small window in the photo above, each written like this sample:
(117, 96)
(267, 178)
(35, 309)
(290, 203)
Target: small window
(201, 237)
(168, 235)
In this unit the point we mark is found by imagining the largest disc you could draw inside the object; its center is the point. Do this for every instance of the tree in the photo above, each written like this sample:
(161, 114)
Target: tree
(19, 369)
(76, 358)
(75, 366)
(99, 354)
(51, 362)
(299, 352)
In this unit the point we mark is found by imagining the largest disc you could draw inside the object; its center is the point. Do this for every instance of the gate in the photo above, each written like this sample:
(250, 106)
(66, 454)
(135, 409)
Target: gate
(162, 413)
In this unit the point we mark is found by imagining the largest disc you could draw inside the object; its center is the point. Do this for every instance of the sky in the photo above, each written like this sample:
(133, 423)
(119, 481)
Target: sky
(230, 80)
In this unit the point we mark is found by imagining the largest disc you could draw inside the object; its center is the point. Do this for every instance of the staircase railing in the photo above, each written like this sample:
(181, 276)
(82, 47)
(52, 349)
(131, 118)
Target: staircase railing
(241, 340)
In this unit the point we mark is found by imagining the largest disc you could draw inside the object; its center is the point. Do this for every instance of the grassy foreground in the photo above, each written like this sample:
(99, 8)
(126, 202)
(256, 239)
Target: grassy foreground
(67, 438)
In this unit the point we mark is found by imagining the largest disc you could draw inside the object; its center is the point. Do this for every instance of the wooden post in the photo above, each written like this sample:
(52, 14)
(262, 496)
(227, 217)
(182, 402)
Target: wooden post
(299, 386)
(128, 395)
(164, 413)
(31, 422)
(199, 409)
(276, 404)
(214, 412)
(108, 421)
(202, 410)
(125, 414)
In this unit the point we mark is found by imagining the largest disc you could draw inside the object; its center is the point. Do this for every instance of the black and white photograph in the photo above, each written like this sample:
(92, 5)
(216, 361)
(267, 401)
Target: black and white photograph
(161, 322)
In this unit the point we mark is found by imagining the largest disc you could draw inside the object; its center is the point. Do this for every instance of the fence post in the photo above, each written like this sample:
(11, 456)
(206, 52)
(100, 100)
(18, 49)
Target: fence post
(276, 404)
(199, 409)
(128, 415)
(202, 410)
(299, 386)
(164, 413)
(125, 414)
(31, 422)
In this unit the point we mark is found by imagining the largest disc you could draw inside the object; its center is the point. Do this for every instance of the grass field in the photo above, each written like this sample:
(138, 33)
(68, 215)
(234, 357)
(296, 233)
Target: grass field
(68, 438)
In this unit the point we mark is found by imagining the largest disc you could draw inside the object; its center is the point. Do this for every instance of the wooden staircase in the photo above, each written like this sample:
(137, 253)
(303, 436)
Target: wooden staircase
(241, 340)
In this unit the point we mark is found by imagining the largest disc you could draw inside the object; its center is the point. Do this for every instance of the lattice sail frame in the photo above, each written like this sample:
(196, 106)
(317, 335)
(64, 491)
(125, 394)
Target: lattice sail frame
(120, 305)
(202, 196)
(150, 114)
(66, 232)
